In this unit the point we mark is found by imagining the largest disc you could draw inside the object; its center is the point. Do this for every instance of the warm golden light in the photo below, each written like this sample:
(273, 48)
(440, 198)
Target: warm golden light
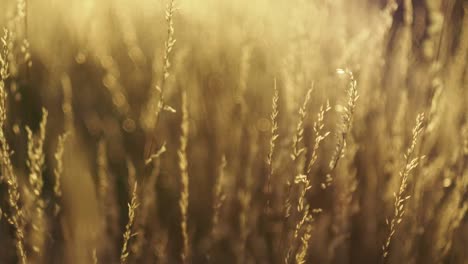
(215, 131)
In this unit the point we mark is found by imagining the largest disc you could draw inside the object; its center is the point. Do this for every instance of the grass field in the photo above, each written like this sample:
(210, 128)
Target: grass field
(214, 131)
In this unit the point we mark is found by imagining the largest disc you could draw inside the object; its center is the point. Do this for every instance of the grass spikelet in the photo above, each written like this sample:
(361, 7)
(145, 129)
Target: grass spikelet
(4, 55)
(301, 254)
(320, 135)
(303, 228)
(132, 206)
(16, 217)
(299, 179)
(345, 126)
(298, 137)
(304, 182)
(25, 49)
(183, 166)
(21, 9)
(274, 137)
(35, 162)
(297, 150)
(170, 38)
(156, 104)
(155, 156)
(400, 198)
(22, 18)
(36, 155)
(58, 171)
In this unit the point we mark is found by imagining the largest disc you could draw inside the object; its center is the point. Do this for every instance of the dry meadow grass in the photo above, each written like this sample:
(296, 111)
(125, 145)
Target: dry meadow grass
(214, 131)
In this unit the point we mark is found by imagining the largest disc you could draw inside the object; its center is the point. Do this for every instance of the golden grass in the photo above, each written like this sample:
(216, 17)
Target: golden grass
(132, 206)
(273, 139)
(219, 195)
(35, 163)
(411, 163)
(58, 171)
(16, 217)
(245, 170)
(184, 179)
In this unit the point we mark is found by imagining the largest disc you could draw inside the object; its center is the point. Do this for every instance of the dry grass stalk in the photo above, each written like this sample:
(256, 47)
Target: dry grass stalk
(16, 218)
(137, 244)
(58, 171)
(245, 195)
(305, 185)
(320, 135)
(303, 181)
(303, 228)
(22, 17)
(59, 161)
(36, 155)
(148, 203)
(170, 39)
(155, 156)
(149, 119)
(298, 149)
(301, 254)
(21, 9)
(274, 137)
(183, 166)
(219, 195)
(344, 208)
(25, 49)
(4, 55)
(400, 198)
(345, 126)
(132, 206)
(150, 115)
(35, 163)
(106, 193)
(132, 179)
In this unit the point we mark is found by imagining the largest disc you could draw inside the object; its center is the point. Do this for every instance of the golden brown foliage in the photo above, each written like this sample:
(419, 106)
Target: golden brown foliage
(245, 171)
